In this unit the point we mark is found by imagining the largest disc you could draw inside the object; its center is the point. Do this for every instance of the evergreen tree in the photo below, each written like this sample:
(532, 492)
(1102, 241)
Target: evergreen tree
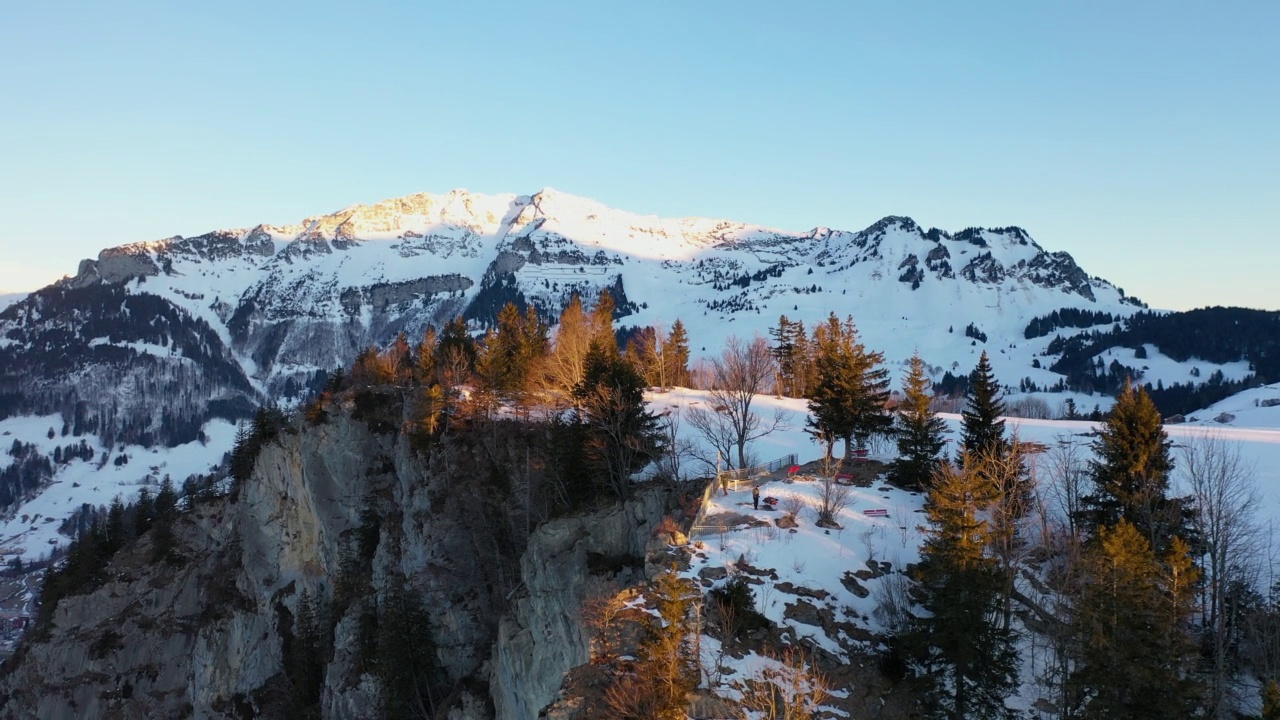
(1071, 412)
(456, 351)
(919, 432)
(424, 365)
(143, 512)
(982, 429)
(166, 510)
(244, 453)
(622, 436)
(116, 526)
(1131, 472)
(848, 400)
(1135, 656)
(790, 348)
(675, 355)
(967, 659)
(601, 323)
(645, 355)
(512, 351)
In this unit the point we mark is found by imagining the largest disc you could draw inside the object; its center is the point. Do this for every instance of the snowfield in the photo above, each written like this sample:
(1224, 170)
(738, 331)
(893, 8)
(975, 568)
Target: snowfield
(33, 530)
(819, 562)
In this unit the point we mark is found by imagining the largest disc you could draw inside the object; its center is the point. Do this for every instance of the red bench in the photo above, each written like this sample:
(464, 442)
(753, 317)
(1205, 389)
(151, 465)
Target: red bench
(876, 512)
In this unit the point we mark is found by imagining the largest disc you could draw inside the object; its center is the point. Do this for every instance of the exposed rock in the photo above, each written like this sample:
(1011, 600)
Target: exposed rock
(713, 573)
(806, 613)
(207, 637)
(802, 591)
(851, 584)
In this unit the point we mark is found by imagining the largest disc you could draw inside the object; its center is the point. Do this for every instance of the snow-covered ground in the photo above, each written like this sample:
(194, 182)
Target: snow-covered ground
(33, 531)
(817, 559)
(1247, 409)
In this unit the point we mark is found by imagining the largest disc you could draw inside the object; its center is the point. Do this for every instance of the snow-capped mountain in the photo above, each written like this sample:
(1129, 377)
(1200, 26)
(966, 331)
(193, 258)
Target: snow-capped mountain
(287, 301)
(150, 342)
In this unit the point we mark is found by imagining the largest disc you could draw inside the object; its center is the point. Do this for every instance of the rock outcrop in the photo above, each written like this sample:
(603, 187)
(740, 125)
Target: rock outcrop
(209, 636)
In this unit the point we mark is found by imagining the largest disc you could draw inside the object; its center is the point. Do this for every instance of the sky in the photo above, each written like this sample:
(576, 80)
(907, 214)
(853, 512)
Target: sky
(1140, 137)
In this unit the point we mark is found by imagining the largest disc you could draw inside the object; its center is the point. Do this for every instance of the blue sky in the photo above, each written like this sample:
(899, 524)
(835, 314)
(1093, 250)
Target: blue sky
(1142, 139)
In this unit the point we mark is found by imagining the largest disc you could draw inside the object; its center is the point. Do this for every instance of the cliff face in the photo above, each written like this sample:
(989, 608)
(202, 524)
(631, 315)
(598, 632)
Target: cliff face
(211, 636)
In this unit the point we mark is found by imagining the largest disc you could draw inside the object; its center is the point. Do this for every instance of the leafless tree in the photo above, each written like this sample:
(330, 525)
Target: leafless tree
(791, 689)
(1226, 497)
(671, 463)
(601, 609)
(832, 499)
(717, 432)
(744, 370)
(1064, 472)
(791, 507)
(893, 601)
(1007, 474)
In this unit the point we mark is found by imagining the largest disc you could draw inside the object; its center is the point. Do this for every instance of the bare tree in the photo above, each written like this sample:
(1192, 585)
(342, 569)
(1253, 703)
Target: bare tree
(717, 432)
(791, 507)
(832, 499)
(743, 371)
(1226, 497)
(566, 363)
(671, 463)
(791, 689)
(604, 603)
(1007, 474)
(893, 601)
(1065, 471)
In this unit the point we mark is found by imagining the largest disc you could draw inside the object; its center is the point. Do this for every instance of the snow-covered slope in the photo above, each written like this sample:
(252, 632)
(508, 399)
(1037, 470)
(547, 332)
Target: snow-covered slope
(831, 587)
(151, 342)
(293, 299)
(1253, 408)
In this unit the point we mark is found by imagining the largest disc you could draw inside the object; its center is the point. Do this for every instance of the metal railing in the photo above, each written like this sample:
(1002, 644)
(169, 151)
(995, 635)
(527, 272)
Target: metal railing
(723, 477)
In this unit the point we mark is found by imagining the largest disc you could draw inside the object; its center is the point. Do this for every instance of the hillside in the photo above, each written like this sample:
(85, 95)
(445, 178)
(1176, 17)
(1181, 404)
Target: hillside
(162, 344)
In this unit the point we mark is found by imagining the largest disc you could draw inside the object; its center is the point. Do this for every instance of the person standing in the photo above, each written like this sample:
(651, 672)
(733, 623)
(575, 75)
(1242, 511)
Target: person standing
(755, 497)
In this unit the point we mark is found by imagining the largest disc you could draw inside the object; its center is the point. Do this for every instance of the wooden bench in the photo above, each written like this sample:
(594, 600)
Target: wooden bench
(876, 512)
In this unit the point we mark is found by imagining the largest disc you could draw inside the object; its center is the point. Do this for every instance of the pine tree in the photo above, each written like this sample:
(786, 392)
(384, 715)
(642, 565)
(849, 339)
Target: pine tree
(621, 434)
(424, 365)
(244, 452)
(848, 401)
(967, 659)
(601, 323)
(143, 512)
(1134, 660)
(1131, 472)
(512, 352)
(456, 351)
(982, 429)
(166, 509)
(675, 355)
(919, 432)
(116, 526)
(787, 340)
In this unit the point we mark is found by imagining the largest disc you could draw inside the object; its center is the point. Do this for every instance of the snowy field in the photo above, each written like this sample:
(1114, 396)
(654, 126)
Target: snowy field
(820, 560)
(33, 531)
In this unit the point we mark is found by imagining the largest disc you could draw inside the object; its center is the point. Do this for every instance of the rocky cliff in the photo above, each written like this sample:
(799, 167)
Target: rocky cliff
(215, 632)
